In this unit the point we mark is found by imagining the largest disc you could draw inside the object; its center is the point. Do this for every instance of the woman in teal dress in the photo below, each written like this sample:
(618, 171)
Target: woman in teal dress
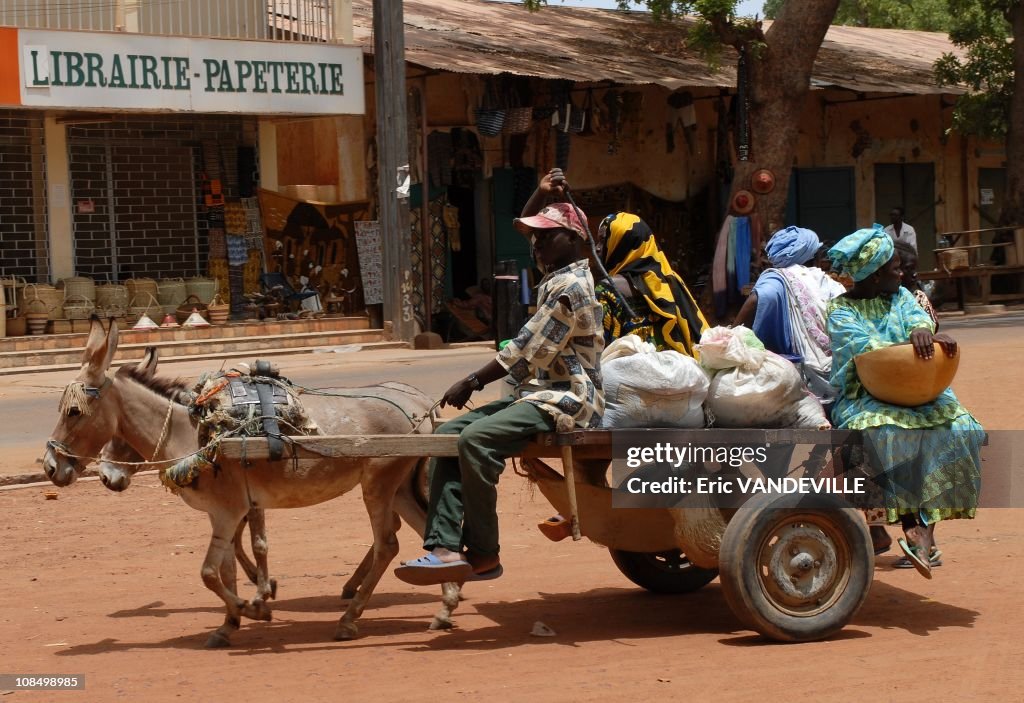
(927, 458)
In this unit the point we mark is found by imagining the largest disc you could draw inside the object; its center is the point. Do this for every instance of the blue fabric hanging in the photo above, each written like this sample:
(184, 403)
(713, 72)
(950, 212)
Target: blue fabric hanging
(743, 246)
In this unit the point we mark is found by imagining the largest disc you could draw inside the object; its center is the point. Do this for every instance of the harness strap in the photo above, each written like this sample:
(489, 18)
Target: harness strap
(265, 392)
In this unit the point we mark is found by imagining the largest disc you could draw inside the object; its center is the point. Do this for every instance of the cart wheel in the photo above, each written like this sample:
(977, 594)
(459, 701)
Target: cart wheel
(662, 572)
(796, 574)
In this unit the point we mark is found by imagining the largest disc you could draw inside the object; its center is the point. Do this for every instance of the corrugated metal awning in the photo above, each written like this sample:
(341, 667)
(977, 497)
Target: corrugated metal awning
(629, 48)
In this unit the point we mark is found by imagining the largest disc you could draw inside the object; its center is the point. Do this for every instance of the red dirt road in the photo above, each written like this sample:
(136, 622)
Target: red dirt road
(108, 586)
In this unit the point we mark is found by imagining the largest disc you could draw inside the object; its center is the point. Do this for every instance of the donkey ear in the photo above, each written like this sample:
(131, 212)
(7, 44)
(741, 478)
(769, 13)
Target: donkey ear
(111, 343)
(95, 347)
(147, 366)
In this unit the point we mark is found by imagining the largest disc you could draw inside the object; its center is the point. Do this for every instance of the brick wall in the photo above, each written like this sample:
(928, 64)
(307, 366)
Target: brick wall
(22, 197)
(155, 167)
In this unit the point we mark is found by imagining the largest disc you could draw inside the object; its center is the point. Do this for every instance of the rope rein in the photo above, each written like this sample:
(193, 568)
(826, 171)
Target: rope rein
(164, 431)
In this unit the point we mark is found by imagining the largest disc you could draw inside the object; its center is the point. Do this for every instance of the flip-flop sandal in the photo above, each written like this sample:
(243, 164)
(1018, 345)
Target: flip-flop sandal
(488, 575)
(428, 570)
(923, 567)
(934, 560)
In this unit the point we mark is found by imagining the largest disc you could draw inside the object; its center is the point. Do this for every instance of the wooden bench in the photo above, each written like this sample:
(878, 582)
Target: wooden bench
(983, 273)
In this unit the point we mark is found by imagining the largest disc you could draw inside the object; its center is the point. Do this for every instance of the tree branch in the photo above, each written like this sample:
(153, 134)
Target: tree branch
(731, 34)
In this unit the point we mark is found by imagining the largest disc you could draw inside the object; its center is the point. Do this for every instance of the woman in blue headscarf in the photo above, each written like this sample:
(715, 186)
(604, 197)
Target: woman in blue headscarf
(926, 476)
(786, 309)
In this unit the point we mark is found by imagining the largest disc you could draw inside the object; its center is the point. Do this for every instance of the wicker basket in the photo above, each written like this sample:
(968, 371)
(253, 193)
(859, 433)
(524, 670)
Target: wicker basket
(36, 315)
(219, 311)
(489, 122)
(201, 287)
(79, 287)
(518, 120)
(140, 290)
(51, 298)
(171, 291)
(148, 307)
(112, 295)
(78, 307)
(12, 289)
(192, 304)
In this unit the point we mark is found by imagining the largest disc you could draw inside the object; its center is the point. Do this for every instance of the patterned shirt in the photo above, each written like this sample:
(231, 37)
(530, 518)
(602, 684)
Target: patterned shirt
(559, 350)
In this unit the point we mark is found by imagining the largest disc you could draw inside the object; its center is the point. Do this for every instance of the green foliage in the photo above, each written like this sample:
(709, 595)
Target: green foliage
(924, 15)
(706, 34)
(981, 28)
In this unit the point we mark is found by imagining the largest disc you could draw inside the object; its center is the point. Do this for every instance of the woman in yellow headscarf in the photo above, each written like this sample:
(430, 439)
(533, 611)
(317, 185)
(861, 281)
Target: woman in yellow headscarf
(664, 311)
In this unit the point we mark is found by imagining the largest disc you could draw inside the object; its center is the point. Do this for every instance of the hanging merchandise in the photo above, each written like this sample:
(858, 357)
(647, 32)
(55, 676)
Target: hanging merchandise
(613, 101)
(450, 215)
(490, 118)
(743, 106)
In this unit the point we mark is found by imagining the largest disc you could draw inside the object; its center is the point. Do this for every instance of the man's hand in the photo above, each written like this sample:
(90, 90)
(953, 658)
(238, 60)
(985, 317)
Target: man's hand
(922, 340)
(553, 183)
(458, 395)
(947, 343)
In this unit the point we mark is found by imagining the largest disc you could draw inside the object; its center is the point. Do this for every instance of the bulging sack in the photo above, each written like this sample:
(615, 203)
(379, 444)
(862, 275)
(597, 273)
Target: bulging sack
(728, 347)
(763, 397)
(652, 389)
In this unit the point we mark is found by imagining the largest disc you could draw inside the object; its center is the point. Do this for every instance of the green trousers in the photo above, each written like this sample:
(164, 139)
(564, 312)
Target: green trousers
(463, 494)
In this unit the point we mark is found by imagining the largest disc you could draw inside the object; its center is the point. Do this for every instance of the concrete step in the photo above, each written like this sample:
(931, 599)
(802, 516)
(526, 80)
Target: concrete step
(267, 351)
(234, 329)
(241, 339)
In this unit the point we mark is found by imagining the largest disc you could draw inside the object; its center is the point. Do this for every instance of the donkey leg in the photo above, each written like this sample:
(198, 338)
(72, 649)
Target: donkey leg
(352, 585)
(243, 559)
(220, 550)
(385, 523)
(266, 587)
(451, 594)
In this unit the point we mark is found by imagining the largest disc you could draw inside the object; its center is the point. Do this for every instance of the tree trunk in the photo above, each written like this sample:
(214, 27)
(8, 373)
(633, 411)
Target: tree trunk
(1013, 208)
(780, 77)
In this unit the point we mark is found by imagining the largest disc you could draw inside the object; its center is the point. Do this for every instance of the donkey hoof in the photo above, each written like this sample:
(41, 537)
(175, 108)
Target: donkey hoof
(217, 640)
(257, 610)
(348, 593)
(346, 631)
(439, 623)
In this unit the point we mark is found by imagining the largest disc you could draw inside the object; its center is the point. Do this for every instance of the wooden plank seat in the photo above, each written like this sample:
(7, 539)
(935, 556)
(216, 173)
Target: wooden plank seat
(585, 443)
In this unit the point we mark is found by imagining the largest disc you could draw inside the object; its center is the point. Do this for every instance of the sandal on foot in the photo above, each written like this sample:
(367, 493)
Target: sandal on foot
(428, 570)
(934, 560)
(914, 557)
(488, 575)
(555, 528)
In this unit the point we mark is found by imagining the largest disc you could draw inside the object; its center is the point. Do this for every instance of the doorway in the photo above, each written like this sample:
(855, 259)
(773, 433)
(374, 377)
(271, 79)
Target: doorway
(912, 187)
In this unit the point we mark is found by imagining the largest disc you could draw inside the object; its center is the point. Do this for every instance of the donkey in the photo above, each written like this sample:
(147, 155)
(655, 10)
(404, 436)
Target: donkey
(118, 463)
(99, 406)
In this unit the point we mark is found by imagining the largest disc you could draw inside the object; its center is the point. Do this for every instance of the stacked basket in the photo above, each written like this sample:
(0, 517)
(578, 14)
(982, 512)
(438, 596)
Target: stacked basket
(112, 300)
(50, 300)
(171, 292)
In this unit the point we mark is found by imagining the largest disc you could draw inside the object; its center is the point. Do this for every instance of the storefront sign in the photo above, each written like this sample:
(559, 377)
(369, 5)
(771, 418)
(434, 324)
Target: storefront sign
(135, 72)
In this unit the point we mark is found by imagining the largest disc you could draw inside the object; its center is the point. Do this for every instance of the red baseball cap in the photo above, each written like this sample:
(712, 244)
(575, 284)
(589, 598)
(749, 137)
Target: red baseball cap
(554, 216)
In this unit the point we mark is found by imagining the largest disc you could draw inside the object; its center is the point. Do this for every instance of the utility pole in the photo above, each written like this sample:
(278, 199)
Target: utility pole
(392, 165)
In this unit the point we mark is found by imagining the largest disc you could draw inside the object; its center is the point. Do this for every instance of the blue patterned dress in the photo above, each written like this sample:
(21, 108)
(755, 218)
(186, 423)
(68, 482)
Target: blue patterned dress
(927, 457)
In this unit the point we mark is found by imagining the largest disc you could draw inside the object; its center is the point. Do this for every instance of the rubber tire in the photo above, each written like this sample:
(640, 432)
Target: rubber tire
(645, 571)
(739, 571)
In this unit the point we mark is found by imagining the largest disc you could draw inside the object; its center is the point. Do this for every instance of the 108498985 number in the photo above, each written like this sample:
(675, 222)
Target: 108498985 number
(40, 682)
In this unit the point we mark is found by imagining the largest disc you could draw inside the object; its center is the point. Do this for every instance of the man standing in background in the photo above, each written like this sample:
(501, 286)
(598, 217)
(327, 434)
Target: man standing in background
(899, 230)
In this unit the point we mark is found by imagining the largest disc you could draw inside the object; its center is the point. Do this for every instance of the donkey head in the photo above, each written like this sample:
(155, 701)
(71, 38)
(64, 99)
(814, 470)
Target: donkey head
(88, 409)
(114, 473)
